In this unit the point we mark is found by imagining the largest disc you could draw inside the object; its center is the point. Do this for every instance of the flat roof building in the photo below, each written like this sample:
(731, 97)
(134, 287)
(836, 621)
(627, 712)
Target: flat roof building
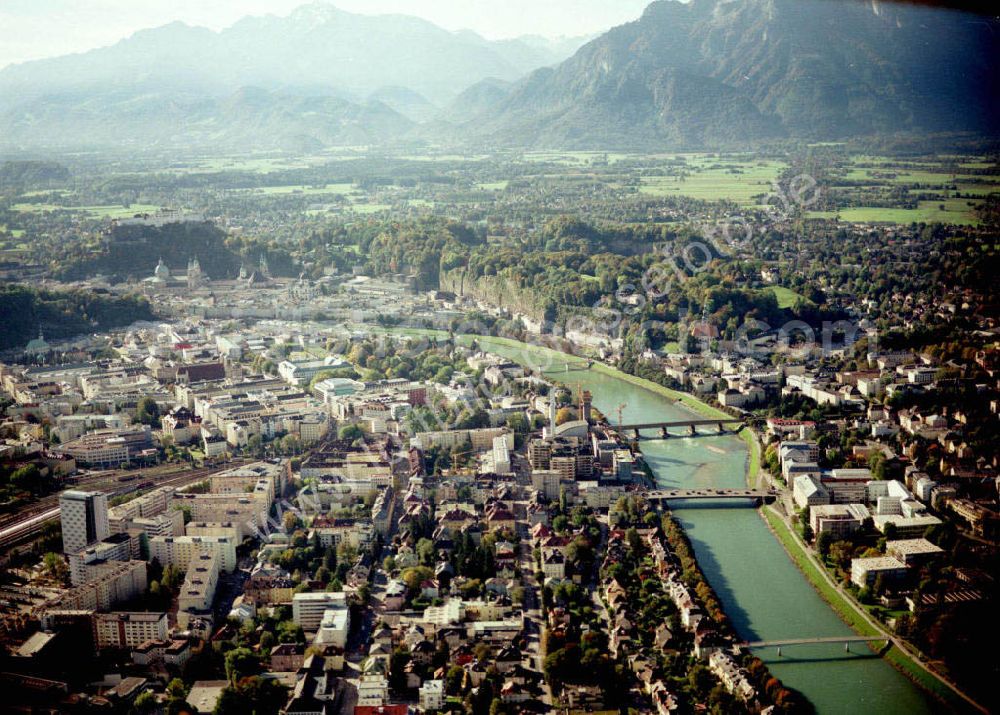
(116, 547)
(179, 551)
(913, 551)
(198, 591)
(334, 627)
(839, 519)
(128, 629)
(865, 571)
(308, 608)
(84, 519)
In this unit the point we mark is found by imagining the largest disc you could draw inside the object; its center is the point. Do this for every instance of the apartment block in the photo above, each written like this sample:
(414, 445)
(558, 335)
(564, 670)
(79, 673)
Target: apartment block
(308, 608)
(128, 629)
(84, 519)
(180, 551)
(198, 590)
(82, 564)
(116, 582)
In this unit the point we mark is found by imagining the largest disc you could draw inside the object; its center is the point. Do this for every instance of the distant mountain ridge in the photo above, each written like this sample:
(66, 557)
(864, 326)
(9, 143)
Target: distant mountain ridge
(318, 47)
(317, 77)
(717, 71)
(706, 73)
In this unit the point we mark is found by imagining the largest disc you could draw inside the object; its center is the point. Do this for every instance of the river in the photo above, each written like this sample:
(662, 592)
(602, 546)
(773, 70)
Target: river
(764, 593)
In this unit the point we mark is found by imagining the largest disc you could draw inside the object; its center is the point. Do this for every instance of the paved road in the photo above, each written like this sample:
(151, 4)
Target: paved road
(533, 619)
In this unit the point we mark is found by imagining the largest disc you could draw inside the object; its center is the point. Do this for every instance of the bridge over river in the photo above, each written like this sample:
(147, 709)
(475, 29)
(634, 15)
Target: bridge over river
(752, 497)
(692, 425)
(845, 640)
(750, 570)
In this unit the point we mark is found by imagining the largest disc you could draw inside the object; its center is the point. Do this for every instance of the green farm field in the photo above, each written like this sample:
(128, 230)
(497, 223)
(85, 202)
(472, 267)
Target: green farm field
(956, 211)
(714, 179)
(325, 190)
(111, 211)
(949, 187)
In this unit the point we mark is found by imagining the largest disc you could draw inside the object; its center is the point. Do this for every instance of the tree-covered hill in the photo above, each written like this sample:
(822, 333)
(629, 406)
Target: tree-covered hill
(132, 252)
(63, 314)
(22, 174)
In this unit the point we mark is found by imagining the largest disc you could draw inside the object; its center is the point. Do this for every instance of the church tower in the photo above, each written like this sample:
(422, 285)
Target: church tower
(585, 404)
(195, 278)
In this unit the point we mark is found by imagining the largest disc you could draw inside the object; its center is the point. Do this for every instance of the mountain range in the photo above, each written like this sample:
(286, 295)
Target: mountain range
(694, 74)
(711, 72)
(317, 48)
(318, 76)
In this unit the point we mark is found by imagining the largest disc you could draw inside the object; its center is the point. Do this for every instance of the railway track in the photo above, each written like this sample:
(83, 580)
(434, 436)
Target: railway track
(29, 523)
(105, 480)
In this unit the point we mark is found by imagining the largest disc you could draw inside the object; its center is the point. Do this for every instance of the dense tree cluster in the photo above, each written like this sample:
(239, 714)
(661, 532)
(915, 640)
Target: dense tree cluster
(63, 314)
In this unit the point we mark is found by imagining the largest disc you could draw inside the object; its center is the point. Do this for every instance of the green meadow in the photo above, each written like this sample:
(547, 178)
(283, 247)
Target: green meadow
(493, 185)
(369, 208)
(716, 179)
(956, 211)
(936, 180)
(576, 157)
(111, 211)
(325, 190)
(786, 296)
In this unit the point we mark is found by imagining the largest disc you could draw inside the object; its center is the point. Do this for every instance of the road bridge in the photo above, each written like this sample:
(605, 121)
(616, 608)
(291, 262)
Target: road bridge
(684, 423)
(692, 425)
(754, 496)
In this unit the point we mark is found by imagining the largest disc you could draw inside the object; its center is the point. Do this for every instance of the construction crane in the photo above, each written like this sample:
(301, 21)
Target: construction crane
(619, 409)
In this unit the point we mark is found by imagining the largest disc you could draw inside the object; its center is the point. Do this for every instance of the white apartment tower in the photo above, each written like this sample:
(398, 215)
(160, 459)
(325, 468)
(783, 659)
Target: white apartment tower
(84, 518)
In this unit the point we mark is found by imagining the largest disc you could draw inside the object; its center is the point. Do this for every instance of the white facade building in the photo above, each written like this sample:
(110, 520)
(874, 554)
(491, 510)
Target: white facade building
(309, 608)
(179, 551)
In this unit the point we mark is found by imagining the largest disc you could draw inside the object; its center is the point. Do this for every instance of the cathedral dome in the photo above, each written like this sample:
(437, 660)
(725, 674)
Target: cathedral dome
(161, 272)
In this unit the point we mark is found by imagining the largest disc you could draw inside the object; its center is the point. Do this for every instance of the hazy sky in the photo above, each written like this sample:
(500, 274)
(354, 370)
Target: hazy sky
(31, 29)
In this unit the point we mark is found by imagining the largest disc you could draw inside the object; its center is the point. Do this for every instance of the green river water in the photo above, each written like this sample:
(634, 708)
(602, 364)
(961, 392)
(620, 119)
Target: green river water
(763, 592)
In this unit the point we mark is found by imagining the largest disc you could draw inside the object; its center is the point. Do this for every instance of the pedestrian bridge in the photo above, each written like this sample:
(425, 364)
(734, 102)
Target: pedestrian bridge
(753, 496)
(846, 640)
(577, 366)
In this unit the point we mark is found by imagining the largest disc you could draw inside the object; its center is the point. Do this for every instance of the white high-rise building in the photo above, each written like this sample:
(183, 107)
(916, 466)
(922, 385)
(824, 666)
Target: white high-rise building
(179, 551)
(501, 456)
(308, 609)
(84, 517)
